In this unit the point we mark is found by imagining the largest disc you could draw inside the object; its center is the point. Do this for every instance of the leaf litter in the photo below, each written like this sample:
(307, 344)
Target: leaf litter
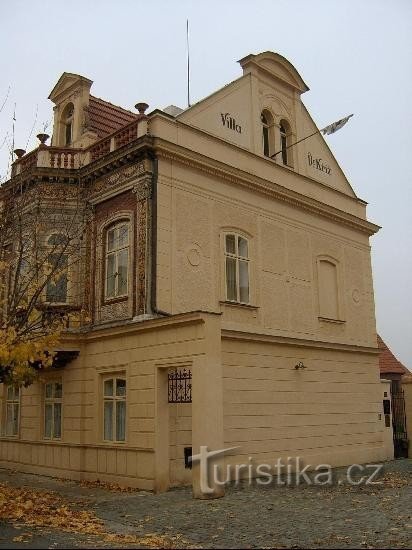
(47, 510)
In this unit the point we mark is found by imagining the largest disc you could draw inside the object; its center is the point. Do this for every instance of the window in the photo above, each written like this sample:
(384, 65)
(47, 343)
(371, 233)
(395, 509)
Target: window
(53, 393)
(56, 289)
(12, 410)
(237, 268)
(114, 409)
(328, 289)
(67, 119)
(117, 260)
(267, 133)
(283, 143)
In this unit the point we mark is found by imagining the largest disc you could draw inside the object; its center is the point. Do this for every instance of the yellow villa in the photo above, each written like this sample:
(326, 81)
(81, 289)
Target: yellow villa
(226, 281)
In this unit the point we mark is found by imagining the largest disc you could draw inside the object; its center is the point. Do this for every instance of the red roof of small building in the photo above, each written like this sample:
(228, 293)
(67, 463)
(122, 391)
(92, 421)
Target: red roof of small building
(105, 118)
(387, 361)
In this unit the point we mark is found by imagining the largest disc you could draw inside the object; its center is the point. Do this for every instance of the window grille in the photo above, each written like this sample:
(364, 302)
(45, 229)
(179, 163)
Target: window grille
(180, 386)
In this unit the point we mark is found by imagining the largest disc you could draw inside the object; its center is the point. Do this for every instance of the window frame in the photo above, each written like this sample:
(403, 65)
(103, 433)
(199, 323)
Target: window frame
(238, 259)
(116, 225)
(14, 402)
(52, 401)
(340, 318)
(62, 255)
(114, 399)
(67, 120)
(267, 132)
(285, 138)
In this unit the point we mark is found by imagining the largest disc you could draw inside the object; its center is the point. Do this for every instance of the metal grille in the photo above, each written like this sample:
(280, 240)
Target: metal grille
(400, 436)
(180, 386)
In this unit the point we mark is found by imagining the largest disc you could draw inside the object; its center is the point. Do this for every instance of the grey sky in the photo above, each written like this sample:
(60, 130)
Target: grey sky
(356, 57)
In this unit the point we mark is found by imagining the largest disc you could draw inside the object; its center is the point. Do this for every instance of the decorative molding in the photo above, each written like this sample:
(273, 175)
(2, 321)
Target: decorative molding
(271, 189)
(117, 179)
(58, 192)
(141, 255)
(143, 188)
(129, 326)
(229, 334)
(194, 256)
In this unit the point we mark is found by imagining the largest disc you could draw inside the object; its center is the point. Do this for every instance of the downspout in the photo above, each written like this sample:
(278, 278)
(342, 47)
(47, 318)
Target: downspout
(153, 241)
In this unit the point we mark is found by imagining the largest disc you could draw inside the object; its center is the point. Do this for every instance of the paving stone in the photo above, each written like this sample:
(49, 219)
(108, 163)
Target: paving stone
(253, 516)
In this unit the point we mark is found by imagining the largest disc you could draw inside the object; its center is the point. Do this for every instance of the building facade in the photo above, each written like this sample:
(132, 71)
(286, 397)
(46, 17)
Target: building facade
(226, 289)
(400, 402)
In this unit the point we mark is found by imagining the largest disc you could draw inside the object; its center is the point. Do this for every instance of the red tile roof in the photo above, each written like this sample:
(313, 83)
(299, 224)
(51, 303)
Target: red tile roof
(105, 118)
(387, 361)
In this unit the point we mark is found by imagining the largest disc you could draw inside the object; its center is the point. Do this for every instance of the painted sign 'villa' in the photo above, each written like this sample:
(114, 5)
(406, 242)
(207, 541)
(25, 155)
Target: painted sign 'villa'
(226, 289)
(230, 123)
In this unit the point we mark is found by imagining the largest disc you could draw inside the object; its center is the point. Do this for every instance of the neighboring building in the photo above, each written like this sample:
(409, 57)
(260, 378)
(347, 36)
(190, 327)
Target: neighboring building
(393, 370)
(390, 367)
(219, 263)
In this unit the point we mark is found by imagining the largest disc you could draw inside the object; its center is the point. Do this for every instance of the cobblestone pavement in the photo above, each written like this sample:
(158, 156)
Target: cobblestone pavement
(338, 516)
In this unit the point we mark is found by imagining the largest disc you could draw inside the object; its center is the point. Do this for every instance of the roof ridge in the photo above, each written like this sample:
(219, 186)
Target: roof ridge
(387, 360)
(113, 105)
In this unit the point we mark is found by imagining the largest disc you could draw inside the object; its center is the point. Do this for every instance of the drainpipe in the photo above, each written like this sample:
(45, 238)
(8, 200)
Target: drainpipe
(153, 242)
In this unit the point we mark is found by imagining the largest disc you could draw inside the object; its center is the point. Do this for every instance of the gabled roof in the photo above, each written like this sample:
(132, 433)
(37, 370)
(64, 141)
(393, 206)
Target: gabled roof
(66, 82)
(278, 66)
(105, 118)
(388, 362)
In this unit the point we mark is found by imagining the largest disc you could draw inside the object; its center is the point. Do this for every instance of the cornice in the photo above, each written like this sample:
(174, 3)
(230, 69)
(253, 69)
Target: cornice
(123, 328)
(110, 162)
(296, 342)
(245, 150)
(135, 150)
(131, 176)
(170, 151)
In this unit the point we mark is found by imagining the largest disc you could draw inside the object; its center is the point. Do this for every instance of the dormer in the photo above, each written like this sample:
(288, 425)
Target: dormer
(279, 87)
(274, 67)
(71, 97)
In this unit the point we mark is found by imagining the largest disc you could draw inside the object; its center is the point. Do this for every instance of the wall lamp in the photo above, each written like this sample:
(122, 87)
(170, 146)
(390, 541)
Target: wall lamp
(300, 365)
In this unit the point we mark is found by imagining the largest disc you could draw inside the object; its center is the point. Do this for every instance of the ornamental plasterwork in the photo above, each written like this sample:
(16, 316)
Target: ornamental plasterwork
(60, 192)
(274, 190)
(112, 312)
(143, 188)
(142, 219)
(119, 177)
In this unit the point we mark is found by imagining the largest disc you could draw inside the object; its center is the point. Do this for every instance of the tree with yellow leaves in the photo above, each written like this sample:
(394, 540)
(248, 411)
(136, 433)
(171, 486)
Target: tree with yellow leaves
(41, 230)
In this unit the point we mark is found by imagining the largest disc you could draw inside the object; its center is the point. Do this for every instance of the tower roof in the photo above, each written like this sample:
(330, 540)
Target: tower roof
(388, 362)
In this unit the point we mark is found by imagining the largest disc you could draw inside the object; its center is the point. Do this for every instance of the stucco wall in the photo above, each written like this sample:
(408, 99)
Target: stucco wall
(407, 388)
(325, 413)
(180, 436)
(285, 243)
(81, 452)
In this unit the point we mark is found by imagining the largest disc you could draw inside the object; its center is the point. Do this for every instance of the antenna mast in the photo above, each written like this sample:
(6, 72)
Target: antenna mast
(188, 62)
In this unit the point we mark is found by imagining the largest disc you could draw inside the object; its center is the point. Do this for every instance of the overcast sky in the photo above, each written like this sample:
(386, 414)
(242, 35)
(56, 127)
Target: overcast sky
(355, 56)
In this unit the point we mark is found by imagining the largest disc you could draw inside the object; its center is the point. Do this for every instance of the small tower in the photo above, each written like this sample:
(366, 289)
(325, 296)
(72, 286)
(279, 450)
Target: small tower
(71, 98)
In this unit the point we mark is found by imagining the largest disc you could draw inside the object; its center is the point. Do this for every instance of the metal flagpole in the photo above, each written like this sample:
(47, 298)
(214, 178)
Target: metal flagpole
(296, 142)
(330, 129)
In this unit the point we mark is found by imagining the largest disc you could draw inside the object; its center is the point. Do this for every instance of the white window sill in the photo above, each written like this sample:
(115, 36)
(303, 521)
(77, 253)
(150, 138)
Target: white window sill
(327, 320)
(238, 304)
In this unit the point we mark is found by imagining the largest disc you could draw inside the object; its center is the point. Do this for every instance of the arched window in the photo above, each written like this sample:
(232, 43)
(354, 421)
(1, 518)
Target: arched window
(328, 289)
(237, 268)
(117, 260)
(67, 124)
(283, 143)
(267, 133)
(285, 134)
(56, 288)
